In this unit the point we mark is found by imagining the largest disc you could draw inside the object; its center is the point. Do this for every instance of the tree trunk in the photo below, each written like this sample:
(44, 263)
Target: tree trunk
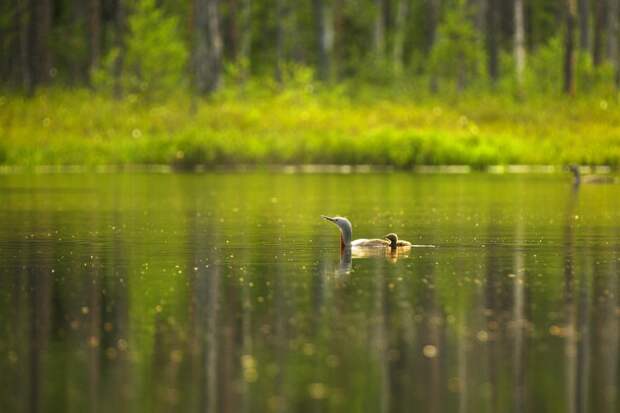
(119, 43)
(200, 52)
(39, 34)
(402, 15)
(231, 29)
(599, 29)
(245, 41)
(325, 38)
(215, 45)
(340, 50)
(519, 45)
(477, 7)
(281, 22)
(492, 34)
(584, 25)
(25, 67)
(9, 47)
(569, 49)
(44, 23)
(434, 11)
(207, 47)
(379, 29)
(78, 68)
(612, 39)
(94, 33)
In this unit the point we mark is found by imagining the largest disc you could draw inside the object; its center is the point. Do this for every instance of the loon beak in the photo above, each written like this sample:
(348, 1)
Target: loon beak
(328, 218)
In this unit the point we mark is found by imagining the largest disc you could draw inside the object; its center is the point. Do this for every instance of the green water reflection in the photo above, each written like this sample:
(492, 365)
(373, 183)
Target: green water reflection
(226, 293)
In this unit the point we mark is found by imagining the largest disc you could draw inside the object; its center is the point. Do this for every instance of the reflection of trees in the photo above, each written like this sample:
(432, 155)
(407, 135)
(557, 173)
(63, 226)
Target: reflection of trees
(93, 291)
(204, 288)
(380, 336)
(403, 381)
(576, 318)
(605, 283)
(115, 322)
(518, 318)
(359, 338)
(39, 290)
(28, 314)
(463, 371)
(35, 308)
(492, 310)
(280, 338)
(429, 383)
(211, 321)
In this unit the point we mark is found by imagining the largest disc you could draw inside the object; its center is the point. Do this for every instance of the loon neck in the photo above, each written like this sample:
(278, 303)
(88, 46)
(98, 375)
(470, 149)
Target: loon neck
(345, 236)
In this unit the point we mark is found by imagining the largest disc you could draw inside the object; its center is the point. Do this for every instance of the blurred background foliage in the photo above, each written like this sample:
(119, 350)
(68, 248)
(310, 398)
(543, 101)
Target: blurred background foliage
(155, 46)
(396, 82)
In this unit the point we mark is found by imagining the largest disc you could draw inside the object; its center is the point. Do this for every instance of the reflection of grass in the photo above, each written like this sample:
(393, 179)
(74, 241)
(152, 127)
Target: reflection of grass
(297, 127)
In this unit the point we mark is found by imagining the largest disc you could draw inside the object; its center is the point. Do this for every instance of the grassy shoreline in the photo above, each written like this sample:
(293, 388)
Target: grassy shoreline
(297, 127)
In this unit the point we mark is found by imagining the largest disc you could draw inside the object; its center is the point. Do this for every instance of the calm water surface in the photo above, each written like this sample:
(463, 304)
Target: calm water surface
(227, 293)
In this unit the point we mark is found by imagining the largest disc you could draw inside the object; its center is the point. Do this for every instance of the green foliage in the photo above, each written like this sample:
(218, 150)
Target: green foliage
(543, 74)
(156, 56)
(458, 55)
(377, 71)
(306, 124)
(102, 77)
(70, 44)
(443, 47)
(594, 80)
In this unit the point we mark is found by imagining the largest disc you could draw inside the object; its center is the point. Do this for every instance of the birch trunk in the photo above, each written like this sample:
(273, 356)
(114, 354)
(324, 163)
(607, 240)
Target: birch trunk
(325, 38)
(519, 46)
(569, 49)
(207, 53)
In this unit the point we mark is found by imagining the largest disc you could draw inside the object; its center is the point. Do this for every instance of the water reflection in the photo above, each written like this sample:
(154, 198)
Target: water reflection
(347, 255)
(186, 293)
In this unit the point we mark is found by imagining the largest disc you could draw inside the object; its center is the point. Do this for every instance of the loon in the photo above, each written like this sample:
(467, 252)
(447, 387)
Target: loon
(345, 236)
(579, 179)
(397, 243)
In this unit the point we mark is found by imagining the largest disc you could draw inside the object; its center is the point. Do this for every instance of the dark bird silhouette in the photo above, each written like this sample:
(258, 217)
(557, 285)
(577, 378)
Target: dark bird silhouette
(579, 179)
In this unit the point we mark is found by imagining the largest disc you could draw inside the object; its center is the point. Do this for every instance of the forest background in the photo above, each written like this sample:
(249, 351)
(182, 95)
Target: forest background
(398, 83)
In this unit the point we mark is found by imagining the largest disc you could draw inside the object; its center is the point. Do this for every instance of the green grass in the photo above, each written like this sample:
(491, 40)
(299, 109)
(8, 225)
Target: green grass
(306, 127)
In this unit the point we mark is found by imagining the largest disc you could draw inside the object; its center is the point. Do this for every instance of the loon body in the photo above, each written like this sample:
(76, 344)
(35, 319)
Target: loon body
(394, 242)
(579, 179)
(346, 231)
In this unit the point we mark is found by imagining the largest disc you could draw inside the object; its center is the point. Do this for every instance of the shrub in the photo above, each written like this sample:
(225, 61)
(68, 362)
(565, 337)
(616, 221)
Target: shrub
(458, 55)
(155, 57)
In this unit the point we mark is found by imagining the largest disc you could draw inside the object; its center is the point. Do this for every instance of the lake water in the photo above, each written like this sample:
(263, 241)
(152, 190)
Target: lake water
(227, 293)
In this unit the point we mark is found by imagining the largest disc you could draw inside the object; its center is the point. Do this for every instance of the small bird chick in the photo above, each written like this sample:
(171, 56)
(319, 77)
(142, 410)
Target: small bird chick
(396, 243)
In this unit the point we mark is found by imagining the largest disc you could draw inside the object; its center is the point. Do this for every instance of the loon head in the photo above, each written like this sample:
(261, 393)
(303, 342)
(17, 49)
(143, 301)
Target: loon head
(393, 238)
(345, 229)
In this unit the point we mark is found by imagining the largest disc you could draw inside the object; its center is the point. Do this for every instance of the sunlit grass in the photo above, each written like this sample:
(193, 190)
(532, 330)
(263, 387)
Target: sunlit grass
(306, 126)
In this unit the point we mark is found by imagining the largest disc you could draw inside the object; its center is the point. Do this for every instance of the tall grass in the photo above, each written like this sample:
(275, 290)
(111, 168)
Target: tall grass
(307, 125)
